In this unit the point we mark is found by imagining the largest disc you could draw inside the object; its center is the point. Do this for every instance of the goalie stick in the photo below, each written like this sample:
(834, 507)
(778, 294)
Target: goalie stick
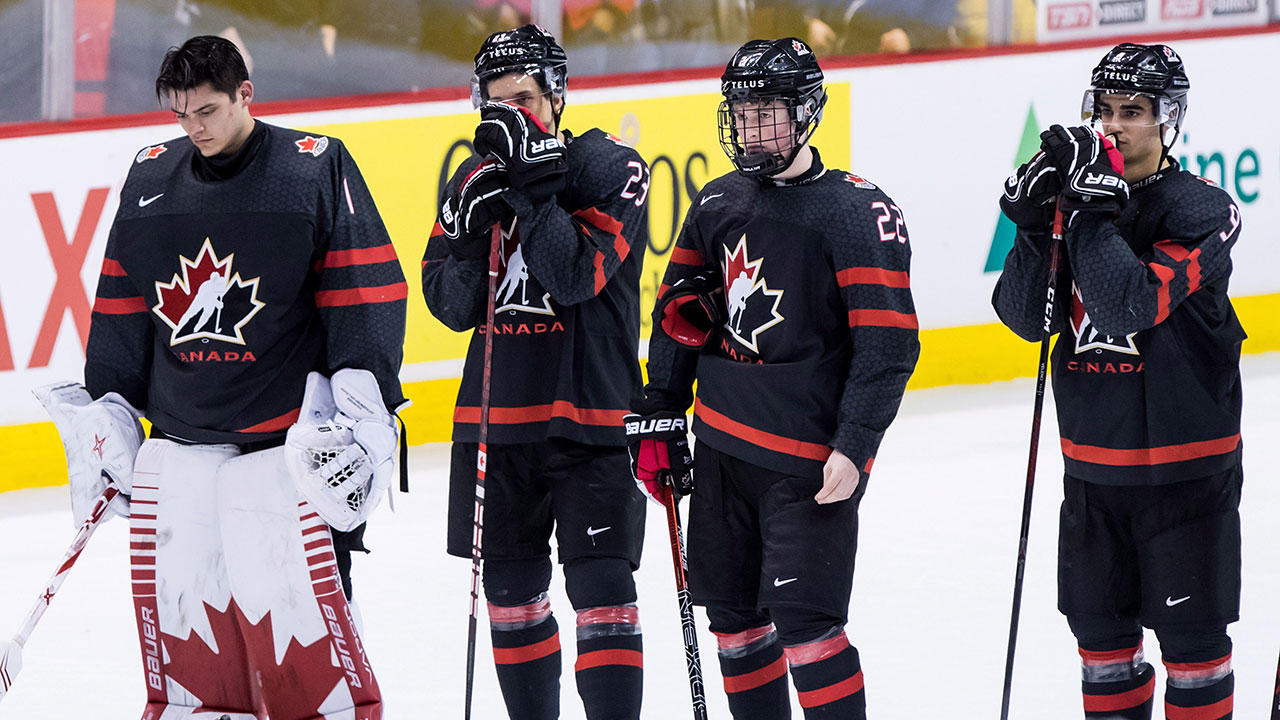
(495, 256)
(690, 631)
(1050, 302)
(11, 660)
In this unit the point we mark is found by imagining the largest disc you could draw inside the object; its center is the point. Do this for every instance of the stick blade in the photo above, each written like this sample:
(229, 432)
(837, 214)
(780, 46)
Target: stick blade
(10, 666)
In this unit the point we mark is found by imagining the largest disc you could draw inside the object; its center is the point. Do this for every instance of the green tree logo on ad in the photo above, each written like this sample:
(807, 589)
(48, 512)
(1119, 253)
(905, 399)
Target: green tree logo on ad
(1002, 241)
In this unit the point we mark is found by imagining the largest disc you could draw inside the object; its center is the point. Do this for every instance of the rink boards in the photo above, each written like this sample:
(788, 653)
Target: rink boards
(939, 135)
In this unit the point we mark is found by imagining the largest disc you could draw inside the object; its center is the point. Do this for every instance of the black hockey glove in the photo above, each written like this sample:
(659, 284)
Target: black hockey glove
(467, 216)
(536, 160)
(660, 455)
(693, 308)
(1029, 194)
(1090, 167)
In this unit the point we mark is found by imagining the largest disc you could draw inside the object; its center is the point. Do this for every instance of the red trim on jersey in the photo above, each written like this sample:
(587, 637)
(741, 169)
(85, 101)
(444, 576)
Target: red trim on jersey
(277, 423)
(883, 318)
(873, 276)
(120, 306)
(612, 226)
(614, 656)
(359, 256)
(760, 438)
(527, 653)
(1162, 295)
(816, 651)
(1200, 669)
(662, 290)
(362, 296)
(686, 256)
(1120, 701)
(437, 229)
(112, 268)
(1216, 711)
(1178, 252)
(541, 413)
(1150, 456)
(831, 693)
(1094, 658)
(755, 678)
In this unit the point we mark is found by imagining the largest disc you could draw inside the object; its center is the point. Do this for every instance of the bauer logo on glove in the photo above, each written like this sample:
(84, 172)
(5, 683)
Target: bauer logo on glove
(659, 446)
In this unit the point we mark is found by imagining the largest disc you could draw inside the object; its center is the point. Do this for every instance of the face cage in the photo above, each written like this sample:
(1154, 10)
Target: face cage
(791, 127)
(549, 79)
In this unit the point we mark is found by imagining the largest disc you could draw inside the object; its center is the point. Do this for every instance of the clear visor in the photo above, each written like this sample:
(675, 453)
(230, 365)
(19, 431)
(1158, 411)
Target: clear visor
(1136, 109)
(517, 90)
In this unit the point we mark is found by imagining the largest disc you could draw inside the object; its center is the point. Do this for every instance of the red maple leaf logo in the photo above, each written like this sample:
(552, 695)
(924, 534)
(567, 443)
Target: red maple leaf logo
(736, 263)
(151, 153)
(313, 145)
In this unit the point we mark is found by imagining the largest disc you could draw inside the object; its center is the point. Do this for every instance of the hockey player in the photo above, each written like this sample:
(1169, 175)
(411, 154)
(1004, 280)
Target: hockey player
(271, 238)
(564, 369)
(1147, 384)
(788, 297)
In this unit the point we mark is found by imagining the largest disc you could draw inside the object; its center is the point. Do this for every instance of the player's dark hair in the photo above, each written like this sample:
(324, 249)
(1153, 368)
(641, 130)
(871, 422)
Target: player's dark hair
(202, 60)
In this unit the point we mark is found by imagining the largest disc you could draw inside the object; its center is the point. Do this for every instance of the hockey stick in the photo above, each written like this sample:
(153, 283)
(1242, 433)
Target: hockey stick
(690, 630)
(1054, 251)
(495, 256)
(1275, 697)
(11, 660)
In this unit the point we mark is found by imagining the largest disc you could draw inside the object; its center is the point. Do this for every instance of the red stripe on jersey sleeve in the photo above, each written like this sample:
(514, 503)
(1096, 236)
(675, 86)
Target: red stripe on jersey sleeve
(359, 256)
(277, 423)
(1150, 456)
(362, 296)
(612, 226)
(873, 276)
(685, 256)
(883, 318)
(112, 268)
(766, 440)
(1162, 295)
(437, 229)
(120, 306)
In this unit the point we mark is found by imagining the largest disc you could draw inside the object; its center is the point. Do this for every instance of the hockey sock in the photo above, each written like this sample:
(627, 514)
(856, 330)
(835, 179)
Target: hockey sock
(828, 678)
(1117, 684)
(755, 675)
(610, 666)
(1199, 691)
(526, 652)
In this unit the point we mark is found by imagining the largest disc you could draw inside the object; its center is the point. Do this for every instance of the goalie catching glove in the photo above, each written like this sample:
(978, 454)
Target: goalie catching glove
(101, 438)
(660, 455)
(340, 451)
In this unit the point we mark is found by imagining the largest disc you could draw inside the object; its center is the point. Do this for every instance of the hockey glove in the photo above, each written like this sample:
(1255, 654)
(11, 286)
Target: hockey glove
(693, 308)
(1090, 167)
(101, 438)
(536, 160)
(1029, 194)
(467, 216)
(660, 455)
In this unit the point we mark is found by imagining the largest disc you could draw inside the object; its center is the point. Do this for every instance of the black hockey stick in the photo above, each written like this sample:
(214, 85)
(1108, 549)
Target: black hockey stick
(690, 630)
(477, 532)
(1055, 250)
(1275, 697)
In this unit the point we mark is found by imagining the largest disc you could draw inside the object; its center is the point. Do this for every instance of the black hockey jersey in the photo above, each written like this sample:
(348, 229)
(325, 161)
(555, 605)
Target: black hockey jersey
(1146, 368)
(821, 334)
(567, 322)
(218, 296)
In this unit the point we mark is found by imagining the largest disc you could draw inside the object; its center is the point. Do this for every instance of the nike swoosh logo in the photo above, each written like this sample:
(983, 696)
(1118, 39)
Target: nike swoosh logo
(709, 197)
(779, 582)
(1171, 602)
(143, 202)
(596, 531)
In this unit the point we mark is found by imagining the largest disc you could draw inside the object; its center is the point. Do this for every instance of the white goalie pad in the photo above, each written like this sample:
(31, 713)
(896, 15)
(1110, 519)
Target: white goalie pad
(341, 450)
(101, 438)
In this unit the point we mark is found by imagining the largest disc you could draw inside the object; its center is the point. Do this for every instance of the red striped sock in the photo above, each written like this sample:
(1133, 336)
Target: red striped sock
(610, 666)
(755, 674)
(1127, 699)
(528, 665)
(1208, 702)
(828, 678)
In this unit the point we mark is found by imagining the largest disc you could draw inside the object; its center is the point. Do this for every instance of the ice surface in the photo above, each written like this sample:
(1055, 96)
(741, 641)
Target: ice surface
(930, 609)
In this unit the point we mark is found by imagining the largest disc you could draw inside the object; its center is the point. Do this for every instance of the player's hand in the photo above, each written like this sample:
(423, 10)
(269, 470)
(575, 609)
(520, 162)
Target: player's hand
(1090, 167)
(1029, 194)
(659, 445)
(693, 308)
(536, 161)
(467, 216)
(840, 477)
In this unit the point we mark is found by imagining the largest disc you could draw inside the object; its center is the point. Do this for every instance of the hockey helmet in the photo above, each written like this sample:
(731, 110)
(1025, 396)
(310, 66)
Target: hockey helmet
(528, 49)
(1155, 72)
(762, 78)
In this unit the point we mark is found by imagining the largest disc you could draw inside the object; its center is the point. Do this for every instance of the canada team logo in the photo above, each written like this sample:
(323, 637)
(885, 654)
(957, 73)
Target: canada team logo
(150, 153)
(752, 305)
(1088, 337)
(312, 146)
(208, 301)
(517, 291)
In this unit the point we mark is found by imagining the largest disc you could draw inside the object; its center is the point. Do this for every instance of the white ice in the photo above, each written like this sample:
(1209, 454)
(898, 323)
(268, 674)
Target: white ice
(930, 611)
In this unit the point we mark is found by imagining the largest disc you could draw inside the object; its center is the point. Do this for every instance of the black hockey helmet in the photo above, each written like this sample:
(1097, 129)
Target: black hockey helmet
(760, 72)
(528, 49)
(1151, 71)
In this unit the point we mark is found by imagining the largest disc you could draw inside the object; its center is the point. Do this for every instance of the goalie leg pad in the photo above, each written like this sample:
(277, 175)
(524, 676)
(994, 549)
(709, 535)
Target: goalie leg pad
(301, 632)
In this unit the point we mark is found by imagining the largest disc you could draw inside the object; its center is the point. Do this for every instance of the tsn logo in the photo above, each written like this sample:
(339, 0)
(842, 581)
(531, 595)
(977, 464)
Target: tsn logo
(645, 427)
